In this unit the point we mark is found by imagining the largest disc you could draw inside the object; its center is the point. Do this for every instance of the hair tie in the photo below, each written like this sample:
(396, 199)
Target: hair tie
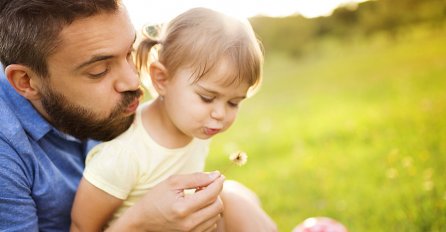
(152, 31)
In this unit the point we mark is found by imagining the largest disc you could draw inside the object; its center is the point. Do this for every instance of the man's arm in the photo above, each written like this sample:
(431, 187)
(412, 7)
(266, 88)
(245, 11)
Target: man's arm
(166, 208)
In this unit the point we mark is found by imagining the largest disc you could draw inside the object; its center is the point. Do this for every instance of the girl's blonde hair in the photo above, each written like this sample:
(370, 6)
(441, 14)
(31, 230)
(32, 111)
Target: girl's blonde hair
(200, 39)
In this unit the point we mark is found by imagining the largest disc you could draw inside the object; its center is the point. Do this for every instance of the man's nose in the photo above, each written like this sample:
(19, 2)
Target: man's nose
(128, 79)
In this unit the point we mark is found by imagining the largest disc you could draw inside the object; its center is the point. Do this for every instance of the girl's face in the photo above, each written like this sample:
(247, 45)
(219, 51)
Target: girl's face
(206, 107)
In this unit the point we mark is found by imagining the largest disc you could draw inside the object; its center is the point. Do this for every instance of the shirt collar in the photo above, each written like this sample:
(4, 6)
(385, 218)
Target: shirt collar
(31, 120)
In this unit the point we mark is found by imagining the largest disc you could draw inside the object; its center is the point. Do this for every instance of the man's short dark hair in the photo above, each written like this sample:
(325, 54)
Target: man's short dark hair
(29, 29)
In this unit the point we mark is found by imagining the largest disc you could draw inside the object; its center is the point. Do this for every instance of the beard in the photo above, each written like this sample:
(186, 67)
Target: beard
(83, 123)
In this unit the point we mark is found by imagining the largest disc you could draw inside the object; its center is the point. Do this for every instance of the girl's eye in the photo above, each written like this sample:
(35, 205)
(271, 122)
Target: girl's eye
(233, 104)
(206, 99)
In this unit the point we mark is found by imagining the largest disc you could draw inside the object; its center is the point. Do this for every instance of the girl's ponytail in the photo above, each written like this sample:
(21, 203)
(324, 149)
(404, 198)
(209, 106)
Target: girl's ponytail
(143, 53)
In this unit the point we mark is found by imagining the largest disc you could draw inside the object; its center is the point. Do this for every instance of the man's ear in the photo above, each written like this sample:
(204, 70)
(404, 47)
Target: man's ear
(159, 77)
(24, 81)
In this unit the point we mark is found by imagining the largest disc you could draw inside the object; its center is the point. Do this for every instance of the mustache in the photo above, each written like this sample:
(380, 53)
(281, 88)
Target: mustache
(129, 97)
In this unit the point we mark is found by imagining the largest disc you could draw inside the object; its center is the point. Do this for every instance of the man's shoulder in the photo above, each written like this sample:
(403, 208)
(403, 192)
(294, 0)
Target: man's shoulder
(11, 125)
(11, 135)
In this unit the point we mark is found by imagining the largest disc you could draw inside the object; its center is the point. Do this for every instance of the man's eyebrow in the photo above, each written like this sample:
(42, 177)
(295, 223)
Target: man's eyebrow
(95, 59)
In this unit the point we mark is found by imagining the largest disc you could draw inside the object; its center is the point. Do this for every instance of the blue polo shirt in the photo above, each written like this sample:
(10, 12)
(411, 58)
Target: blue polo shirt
(40, 167)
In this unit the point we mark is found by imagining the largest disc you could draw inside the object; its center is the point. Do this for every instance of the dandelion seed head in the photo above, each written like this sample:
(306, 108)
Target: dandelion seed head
(239, 158)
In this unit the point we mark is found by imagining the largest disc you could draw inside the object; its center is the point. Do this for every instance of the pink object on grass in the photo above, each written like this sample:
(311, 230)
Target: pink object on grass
(320, 224)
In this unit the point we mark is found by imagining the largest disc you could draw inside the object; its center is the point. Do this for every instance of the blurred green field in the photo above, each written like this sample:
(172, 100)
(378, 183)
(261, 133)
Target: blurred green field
(353, 131)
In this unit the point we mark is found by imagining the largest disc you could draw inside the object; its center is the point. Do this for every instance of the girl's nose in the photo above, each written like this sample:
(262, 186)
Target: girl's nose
(218, 112)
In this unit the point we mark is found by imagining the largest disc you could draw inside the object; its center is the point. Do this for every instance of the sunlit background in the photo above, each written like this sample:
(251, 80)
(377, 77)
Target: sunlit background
(350, 122)
(152, 12)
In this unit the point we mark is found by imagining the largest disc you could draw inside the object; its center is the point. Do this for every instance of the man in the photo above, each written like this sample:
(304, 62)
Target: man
(68, 77)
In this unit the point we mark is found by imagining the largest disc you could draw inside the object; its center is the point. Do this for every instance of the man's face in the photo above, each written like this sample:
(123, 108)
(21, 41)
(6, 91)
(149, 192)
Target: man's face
(93, 88)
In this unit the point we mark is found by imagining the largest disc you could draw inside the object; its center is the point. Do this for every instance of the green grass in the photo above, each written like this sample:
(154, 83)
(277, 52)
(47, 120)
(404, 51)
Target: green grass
(356, 132)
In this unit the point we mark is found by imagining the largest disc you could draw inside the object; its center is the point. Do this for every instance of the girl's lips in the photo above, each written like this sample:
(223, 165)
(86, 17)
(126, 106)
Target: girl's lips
(132, 107)
(211, 131)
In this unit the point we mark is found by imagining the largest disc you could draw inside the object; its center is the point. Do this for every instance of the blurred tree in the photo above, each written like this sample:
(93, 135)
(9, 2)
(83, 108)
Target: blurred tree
(291, 34)
(297, 35)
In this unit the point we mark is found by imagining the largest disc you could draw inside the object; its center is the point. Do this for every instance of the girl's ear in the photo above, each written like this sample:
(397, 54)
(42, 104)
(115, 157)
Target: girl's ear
(24, 81)
(159, 77)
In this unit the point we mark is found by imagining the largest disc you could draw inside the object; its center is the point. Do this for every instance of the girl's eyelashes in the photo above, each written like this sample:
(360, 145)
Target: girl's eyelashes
(233, 104)
(206, 99)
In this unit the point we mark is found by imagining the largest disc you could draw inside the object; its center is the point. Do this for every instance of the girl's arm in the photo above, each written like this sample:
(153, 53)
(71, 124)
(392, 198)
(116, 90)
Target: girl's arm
(92, 208)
